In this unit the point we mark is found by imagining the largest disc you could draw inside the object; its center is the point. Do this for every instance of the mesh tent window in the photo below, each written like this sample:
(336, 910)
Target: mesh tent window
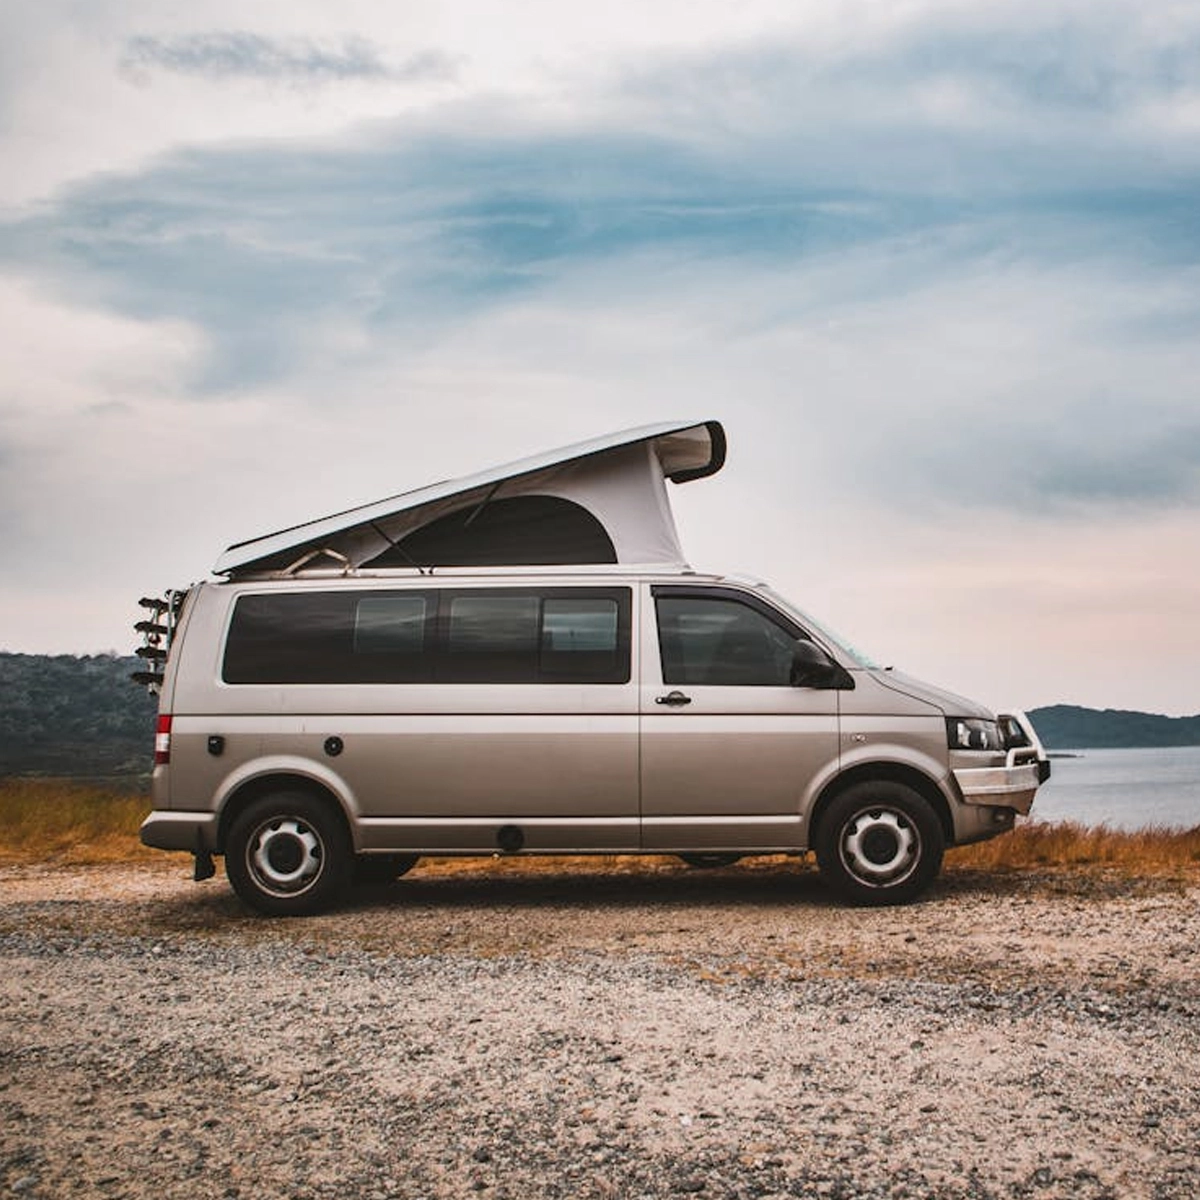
(517, 531)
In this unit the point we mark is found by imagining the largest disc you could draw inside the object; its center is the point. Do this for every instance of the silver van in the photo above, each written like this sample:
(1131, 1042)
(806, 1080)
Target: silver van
(521, 663)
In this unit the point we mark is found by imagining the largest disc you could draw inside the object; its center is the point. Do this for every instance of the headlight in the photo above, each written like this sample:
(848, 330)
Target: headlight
(972, 733)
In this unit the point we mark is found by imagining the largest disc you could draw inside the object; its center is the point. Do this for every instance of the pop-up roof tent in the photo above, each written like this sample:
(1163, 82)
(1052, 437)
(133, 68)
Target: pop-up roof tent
(603, 501)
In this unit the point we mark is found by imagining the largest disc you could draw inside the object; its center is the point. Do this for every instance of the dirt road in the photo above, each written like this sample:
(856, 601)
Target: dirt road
(585, 1033)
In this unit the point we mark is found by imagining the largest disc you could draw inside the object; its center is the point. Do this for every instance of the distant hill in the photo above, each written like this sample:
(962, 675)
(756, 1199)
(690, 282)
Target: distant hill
(63, 714)
(1070, 727)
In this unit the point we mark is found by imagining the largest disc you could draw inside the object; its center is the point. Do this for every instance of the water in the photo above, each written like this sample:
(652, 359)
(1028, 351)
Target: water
(1125, 789)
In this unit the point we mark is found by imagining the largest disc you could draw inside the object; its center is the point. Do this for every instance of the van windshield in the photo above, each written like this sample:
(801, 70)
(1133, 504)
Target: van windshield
(823, 630)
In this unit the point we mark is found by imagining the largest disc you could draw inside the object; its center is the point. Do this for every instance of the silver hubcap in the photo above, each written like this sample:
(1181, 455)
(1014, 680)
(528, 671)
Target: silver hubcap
(880, 847)
(284, 855)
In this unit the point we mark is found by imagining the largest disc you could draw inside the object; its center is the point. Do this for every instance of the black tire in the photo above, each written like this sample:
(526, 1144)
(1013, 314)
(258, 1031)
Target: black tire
(710, 861)
(382, 868)
(288, 854)
(879, 842)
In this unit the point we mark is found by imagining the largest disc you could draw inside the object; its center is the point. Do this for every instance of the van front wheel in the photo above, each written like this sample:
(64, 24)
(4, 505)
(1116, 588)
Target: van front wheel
(879, 842)
(288, 854)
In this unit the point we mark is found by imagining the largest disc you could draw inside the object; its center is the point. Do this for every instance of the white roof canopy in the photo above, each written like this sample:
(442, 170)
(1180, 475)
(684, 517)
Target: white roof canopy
(599, 501)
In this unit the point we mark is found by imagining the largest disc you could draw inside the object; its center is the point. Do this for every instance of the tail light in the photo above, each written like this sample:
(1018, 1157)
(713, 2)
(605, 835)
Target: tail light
(162, 740)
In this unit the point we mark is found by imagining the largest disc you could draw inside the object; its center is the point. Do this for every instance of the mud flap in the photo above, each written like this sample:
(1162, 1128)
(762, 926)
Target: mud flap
(205, 867)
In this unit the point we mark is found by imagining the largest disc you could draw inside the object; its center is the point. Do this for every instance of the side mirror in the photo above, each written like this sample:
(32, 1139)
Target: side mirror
(813, 668)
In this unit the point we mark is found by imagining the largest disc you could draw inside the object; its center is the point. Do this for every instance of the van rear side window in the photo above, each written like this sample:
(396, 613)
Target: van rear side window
(507, 635)
(331, 637)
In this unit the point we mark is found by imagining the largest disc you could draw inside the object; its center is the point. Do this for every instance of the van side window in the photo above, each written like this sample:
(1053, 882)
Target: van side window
(491, 639)
(537, 636)
(579, 626)
(721, 642)
(330, 637)
(393, 623)
(492, 635)
(582, 638)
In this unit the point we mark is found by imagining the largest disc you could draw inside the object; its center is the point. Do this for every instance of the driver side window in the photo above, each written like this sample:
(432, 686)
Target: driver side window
(708, 640)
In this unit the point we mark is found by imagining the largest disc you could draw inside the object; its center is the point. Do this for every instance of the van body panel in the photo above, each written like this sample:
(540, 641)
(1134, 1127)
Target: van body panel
(726, 766)
(180, 830)
(198, 776)
(743, 835)
(421, 765)
(874, 695)
(947, 703)
(708, 762)
(887, 726)
(911, 741)
(471, 764)
(281, 765)
(474, 835)
(321, 701)
(162, 777)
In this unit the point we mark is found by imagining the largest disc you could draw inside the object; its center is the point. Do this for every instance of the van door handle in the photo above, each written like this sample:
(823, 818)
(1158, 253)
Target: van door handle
(674, 699)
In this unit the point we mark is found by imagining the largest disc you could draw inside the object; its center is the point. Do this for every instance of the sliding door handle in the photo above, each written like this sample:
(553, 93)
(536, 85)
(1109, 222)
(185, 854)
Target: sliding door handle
(674, 699)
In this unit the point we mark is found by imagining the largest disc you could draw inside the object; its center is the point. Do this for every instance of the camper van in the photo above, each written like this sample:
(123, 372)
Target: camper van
(522, 662)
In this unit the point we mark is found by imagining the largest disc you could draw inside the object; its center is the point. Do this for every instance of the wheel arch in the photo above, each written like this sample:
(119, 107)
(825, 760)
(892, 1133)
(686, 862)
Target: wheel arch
(245, 793)
(889, 772)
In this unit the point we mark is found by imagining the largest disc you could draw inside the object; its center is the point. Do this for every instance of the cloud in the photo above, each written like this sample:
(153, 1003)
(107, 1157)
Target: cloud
(924, 284)
(409, 230)
(238, 54)
(1054, 63)
(987, 100)
(1154, 463)
(257, 244)
(1087, 453)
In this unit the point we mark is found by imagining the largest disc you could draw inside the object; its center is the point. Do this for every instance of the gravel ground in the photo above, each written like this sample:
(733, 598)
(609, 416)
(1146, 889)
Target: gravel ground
(650, 1032)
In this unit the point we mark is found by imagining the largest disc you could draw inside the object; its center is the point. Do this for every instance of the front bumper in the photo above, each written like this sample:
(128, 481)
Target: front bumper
(1014, 784)
(194, 831)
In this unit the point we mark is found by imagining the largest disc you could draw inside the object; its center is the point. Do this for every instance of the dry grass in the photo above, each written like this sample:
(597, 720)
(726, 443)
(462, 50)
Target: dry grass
(55, 820)
(1153, 850)
(49, 820)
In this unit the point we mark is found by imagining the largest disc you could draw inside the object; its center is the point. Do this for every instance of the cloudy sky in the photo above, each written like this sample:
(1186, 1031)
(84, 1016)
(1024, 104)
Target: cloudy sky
(935, 265)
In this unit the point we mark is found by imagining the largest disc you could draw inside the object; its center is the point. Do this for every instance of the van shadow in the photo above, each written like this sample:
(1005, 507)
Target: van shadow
(582, 889)
(743, 888)
(775, 885)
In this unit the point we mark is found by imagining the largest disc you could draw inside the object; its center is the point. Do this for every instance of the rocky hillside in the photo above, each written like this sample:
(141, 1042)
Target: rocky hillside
(68, 715)
(1067, 726)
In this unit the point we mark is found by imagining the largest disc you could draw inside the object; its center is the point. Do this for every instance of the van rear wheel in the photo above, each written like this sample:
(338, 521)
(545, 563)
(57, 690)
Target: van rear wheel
(879, 842)
(288, 854)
